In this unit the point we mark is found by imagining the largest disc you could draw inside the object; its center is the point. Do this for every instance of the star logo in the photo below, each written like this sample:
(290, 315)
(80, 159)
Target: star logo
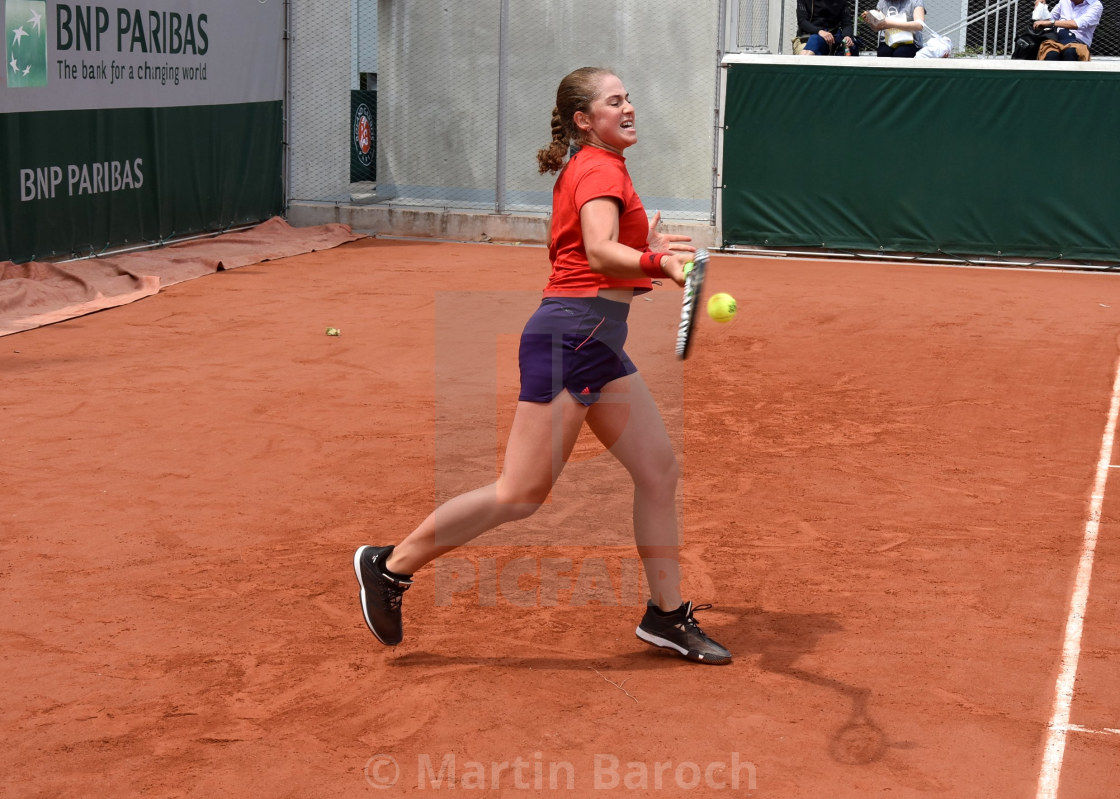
(26, 36)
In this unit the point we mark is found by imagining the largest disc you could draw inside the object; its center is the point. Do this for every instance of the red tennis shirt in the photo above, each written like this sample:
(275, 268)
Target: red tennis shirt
(589, 174)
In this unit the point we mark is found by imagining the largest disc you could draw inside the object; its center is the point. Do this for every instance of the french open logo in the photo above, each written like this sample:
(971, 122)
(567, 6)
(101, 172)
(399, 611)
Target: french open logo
(363, 134)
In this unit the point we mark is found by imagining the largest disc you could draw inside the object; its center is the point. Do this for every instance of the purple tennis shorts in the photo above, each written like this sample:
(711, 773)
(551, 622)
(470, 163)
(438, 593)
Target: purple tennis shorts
(573, 343)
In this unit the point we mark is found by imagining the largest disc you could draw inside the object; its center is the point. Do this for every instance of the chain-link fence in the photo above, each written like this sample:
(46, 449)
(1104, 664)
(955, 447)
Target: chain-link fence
(993, 27)
(458, 98)
(444, 105)
(977, 28)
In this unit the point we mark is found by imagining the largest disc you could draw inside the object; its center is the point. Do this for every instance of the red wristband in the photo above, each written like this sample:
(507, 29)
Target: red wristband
(651, 263)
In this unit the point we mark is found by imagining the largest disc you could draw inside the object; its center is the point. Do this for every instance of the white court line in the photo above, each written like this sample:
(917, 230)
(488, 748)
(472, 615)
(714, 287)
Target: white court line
(1071, 649)
(1102, 731)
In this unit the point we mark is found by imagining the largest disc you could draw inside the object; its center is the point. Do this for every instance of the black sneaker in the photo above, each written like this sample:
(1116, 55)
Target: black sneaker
(380, 594)
(679, 631)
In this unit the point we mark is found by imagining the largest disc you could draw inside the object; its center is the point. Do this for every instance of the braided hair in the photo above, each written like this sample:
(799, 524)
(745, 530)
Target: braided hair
(575, 93)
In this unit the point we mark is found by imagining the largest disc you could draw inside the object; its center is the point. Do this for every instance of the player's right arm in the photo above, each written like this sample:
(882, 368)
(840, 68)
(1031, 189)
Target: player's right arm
(606, 255)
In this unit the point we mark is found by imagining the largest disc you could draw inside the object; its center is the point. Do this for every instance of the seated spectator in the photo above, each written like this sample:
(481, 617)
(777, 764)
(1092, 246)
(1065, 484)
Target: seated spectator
(1076, 21)
(894, 21)
(825, 28)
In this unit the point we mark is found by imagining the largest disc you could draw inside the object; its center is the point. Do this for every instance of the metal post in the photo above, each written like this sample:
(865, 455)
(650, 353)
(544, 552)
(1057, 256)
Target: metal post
(503, 81)
(287, 124)
(721, 48)
(781, 26)
(995, 31)
(984, 47)
(1009, 35)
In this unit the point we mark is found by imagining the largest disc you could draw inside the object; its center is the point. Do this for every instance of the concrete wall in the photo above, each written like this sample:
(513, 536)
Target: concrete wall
(523, 228)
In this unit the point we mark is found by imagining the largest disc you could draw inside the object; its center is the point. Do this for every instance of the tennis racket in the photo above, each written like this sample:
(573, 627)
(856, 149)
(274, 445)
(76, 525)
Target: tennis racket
(690, 301)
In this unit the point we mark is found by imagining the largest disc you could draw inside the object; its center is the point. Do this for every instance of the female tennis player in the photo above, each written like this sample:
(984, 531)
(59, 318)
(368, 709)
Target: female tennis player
(574, 370)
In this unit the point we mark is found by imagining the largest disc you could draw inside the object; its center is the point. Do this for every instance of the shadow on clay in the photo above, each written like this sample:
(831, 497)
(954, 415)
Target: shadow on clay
(781, 639)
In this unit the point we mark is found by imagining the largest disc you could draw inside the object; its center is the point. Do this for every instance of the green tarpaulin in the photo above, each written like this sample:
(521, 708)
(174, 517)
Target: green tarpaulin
(923, 157)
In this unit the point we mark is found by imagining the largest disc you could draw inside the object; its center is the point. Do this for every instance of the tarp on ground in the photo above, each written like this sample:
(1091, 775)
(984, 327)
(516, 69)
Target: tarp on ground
(37, 293)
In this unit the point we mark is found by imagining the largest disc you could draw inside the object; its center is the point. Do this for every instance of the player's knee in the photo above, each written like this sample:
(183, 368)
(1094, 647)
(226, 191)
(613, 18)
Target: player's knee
(660, 475)
(516, 511)
(520, 502)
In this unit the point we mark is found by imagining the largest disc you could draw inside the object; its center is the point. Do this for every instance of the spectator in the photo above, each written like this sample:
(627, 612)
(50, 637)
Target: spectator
(824, 27)
(902, 20)
(1076, 21)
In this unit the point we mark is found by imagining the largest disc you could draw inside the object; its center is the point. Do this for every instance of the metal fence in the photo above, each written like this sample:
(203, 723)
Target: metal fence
(977, 28)
(988, 28)
(994, 26)
(405, 103)
(458, 97)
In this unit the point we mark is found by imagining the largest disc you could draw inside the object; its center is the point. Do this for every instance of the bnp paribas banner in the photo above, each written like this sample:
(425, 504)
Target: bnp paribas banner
(134, 123)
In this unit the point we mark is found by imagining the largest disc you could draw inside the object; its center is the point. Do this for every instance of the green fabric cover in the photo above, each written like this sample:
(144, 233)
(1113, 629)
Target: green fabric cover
(907, 158)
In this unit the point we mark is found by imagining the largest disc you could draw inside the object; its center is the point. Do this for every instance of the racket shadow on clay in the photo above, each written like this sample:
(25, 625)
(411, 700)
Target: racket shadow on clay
(782, 638)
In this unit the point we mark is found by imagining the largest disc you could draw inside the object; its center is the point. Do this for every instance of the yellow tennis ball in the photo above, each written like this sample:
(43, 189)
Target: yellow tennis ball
(721, 307)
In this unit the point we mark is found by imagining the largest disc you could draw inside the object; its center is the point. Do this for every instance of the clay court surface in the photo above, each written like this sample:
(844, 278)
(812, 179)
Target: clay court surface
(887, 480)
